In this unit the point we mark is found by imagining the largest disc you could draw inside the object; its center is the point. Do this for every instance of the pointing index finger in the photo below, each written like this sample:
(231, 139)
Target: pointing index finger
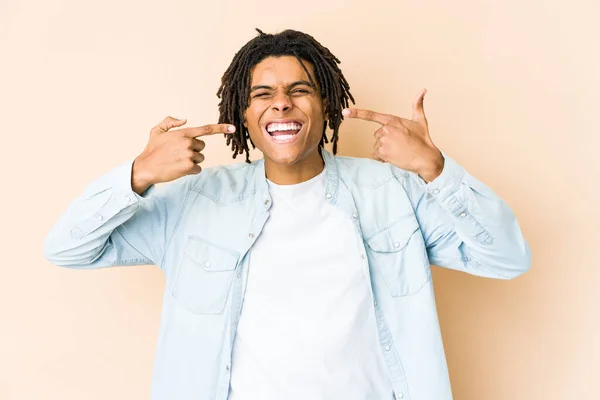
(367, 115)
(210, 129)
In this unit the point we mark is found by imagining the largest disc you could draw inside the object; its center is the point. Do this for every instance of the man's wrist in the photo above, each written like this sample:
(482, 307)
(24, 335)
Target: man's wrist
(141, 180)
(433, 169)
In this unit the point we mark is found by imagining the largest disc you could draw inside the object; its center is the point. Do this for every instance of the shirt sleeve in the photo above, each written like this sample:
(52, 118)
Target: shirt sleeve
(466, 226)
(111, 225)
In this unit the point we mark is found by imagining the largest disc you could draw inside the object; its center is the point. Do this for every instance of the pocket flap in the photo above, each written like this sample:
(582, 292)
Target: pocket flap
(210, 256)
(394, 238)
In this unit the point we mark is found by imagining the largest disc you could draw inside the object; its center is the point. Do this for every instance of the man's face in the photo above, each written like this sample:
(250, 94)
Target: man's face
(285, 114)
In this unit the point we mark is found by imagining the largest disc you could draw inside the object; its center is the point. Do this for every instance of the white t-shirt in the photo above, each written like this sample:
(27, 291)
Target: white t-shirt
(307, 328)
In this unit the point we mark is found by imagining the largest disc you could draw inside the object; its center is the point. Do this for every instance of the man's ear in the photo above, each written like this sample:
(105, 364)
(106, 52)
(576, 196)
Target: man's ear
(325, 110)
(245, 120)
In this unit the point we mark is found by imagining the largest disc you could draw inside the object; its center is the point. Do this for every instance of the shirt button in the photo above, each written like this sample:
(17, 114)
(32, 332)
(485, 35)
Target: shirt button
(400, 395)
(266, 201)
(251, 235)
(436, 191)
(207, 264)
(396, 244)
(354, 216)
(362, 256)
(227, 367)
(99, 217)
(328, 195)
(387, 348)
(463, 214)
(127, 199)
(375, 303)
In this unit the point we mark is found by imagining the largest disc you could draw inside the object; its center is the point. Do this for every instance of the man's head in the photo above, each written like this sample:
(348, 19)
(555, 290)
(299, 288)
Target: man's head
(281, 91)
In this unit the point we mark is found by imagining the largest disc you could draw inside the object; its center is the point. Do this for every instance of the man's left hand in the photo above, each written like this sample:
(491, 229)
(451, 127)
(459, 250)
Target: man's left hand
(404, 143)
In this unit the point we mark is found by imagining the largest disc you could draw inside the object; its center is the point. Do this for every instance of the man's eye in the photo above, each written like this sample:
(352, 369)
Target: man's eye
(260, 95)
(301, 91)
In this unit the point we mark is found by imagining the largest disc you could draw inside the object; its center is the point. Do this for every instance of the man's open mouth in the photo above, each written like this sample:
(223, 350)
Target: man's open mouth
(283, 131)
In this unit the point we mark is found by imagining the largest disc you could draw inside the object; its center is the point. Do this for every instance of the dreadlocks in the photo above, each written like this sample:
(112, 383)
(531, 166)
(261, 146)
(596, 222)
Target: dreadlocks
(234, 91)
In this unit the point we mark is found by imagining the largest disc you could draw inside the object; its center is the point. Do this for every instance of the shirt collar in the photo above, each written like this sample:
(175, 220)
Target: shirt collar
(332, 179)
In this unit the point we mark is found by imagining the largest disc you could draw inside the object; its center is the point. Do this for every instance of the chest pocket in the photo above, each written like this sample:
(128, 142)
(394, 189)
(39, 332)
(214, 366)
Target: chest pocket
(399, 254)
(205, 276)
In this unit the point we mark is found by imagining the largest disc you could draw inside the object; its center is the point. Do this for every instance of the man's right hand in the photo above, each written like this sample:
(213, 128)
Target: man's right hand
(169, 155)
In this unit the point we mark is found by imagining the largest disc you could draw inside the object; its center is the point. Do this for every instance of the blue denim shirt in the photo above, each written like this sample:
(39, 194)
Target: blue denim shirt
(199, 230)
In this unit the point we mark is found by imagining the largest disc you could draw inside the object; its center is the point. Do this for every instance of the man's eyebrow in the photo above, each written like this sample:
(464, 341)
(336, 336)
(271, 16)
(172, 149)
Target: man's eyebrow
(253, 88)
(297, 83)
(291, 85)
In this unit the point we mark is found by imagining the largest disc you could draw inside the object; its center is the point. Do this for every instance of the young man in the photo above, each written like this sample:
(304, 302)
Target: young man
(302, 275)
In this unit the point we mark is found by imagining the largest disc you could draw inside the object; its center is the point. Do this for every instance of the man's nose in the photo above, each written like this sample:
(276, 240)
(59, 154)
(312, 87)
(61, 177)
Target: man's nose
(281, 102)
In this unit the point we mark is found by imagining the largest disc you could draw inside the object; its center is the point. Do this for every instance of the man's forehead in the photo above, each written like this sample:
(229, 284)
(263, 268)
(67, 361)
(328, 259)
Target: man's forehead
(282, 70)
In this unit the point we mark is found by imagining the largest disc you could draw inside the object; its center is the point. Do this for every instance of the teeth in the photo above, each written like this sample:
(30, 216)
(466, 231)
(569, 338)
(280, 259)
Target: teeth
(283, 137)
(275, 126)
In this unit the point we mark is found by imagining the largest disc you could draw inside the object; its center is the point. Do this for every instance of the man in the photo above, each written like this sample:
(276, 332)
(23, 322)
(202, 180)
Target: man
(302, 275)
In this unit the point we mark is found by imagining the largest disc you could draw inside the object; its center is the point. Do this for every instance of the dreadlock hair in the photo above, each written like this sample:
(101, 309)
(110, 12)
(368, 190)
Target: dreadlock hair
(234, 91)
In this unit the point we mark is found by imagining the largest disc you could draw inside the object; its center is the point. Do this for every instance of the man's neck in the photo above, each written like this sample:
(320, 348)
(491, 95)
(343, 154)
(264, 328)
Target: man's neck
(299, 172)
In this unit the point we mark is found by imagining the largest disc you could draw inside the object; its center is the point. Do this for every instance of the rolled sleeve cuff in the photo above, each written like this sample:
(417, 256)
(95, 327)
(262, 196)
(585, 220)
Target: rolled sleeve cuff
(448, 182)
(121, 178)
(107, 197)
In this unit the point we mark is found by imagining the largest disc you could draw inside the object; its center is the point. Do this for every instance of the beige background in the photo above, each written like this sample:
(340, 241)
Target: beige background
(513, 96)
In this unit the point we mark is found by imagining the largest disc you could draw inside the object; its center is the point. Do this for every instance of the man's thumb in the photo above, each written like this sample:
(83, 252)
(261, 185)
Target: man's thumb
(169, 123)
(418, 110)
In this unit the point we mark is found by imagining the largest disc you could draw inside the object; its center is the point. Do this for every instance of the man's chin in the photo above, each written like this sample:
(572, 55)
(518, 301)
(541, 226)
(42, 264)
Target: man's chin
(282, 159)
(286, 156)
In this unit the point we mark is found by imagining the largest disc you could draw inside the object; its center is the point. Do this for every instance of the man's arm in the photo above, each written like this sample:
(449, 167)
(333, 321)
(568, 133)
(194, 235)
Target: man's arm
(122, 218)
(110, 224)
(466, 226)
